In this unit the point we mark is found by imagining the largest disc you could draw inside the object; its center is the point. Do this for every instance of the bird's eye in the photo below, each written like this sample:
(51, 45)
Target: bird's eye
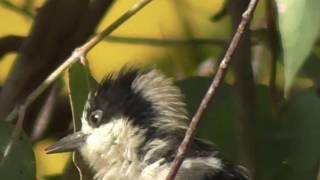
(96, 117)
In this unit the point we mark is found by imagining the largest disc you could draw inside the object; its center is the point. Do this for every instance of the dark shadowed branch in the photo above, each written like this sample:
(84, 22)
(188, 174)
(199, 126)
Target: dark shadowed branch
(180, 42)
(52, 38)
(9, 44)
(212, 91)
(78, 53)
(83, 50)
(44, 117)
(221, 13)
(17, 131)
(42, 51)
(245, 86)
(273, 43)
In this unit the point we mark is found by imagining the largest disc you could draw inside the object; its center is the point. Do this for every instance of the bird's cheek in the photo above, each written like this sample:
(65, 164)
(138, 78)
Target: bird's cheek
(86, 128)
(99, 140)
(93, 149)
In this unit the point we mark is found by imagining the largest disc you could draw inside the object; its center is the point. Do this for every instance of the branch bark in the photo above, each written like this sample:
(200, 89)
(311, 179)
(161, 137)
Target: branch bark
(212, 91)
(53, 37)
(79, 53)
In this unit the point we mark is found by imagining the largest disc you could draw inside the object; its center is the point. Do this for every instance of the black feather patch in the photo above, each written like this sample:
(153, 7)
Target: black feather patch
(229, 172)
(116, 98)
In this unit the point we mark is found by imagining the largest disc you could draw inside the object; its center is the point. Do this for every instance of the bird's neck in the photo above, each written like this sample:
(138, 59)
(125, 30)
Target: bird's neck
(127, 153)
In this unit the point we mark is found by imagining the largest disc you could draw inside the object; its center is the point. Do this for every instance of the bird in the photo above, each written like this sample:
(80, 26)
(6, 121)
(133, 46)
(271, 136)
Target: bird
(132, 126)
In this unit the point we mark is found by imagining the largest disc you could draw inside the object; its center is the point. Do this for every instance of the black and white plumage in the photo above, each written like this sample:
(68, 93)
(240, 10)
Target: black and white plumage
(132, 126)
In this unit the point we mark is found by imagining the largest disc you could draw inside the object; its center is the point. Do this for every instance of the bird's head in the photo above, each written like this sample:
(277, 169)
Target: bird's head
(125, 111)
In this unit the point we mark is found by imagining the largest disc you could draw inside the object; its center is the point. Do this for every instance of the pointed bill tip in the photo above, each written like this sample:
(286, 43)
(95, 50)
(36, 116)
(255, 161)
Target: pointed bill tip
(69, 143)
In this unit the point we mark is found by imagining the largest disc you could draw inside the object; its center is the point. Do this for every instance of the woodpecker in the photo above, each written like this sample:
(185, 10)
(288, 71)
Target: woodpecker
(132, 126)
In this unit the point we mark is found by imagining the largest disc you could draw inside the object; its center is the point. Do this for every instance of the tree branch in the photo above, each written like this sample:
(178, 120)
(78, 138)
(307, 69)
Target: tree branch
(78, 53)
(46, 46)
(10, 43)
(122, 19)
(212, 91)
(180, 42)
(165, 42)
(44, 117)
(273, 38)
(245, 86)
(54, 35)
(17, 131)
(95, 12)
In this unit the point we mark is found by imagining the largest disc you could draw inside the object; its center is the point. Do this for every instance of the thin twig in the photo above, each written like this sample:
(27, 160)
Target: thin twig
(212, 91)
(44, 117)
(17, 131)
(77, 54)
(165, 42)
(178, 42)
(89, 45)
(25, 12)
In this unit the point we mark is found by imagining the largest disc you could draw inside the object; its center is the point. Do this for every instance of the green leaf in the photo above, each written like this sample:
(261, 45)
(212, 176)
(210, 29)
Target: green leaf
(54, 178)
(311, 69)
(299, 22)
(271, 137)
(80, 83)
(19, 163)
(302, 116)
(27, 5)
(220, 122)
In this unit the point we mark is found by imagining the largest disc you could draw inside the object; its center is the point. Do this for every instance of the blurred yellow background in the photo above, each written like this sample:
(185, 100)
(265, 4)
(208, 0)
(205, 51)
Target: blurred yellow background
(159, 20)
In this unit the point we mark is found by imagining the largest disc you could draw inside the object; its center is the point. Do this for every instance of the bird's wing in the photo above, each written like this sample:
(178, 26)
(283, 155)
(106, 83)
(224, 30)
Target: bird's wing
(228, 174)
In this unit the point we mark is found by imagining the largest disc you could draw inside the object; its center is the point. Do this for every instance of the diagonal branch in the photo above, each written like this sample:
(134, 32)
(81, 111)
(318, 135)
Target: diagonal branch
(212, 91)
(44, 117)
(122, 19)
(78, 53)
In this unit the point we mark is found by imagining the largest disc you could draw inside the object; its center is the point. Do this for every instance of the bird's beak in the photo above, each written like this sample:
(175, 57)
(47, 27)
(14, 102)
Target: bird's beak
(69, 143)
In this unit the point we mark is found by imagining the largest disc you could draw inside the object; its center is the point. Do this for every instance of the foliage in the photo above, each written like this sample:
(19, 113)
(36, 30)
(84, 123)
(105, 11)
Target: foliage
(299, 23)
(19, 162)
